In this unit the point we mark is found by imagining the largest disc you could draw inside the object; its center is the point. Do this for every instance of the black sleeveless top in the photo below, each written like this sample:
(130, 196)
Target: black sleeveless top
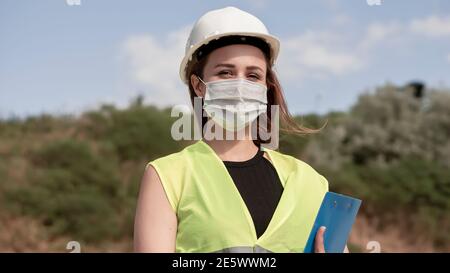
(259, 186)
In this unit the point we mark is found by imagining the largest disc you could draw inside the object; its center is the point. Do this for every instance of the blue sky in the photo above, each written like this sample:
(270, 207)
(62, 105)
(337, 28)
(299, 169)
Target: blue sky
(58, 58)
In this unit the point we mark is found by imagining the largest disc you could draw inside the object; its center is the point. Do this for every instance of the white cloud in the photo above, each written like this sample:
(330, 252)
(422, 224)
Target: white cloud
(379, 32)
(434, 26)
(316, 54)
(322, 54)
(153, 65)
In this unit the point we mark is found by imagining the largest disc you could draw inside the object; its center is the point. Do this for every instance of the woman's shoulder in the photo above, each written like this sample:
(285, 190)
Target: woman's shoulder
(292, 164)
(175, 159)
(289, 160)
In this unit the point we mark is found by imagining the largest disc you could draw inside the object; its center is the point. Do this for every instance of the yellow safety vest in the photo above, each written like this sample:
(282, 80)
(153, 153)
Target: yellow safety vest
(213, 217)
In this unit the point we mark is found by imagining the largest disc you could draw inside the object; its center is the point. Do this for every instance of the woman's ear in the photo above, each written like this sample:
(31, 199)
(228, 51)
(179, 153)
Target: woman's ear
(197, 85)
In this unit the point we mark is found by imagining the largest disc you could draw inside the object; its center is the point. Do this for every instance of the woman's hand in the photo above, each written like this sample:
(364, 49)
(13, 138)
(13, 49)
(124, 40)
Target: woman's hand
(319, 246)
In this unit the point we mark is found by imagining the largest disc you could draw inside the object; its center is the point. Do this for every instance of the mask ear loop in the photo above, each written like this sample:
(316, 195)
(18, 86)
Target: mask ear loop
(200, 79)
(203, 120)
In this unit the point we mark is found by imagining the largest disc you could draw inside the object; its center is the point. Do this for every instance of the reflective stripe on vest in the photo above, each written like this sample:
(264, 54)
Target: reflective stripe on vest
(244, 249)
(213, 217)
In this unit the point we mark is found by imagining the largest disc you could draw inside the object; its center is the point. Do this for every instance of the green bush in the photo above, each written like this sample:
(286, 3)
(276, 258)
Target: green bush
(138, 132)
(392, 151)
(417, 189)
(74, 191)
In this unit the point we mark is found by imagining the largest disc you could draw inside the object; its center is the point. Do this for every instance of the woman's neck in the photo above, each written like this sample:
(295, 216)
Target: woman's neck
(233, 150)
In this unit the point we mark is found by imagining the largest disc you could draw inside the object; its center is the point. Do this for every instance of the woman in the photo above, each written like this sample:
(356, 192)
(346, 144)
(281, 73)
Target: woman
(230, 195)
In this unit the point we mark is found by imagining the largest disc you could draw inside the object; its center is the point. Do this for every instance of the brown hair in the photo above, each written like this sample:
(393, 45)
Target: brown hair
(274, 97)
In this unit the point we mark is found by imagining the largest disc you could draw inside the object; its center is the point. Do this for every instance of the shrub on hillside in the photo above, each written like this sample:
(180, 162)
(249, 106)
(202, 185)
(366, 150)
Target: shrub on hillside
(73, 190)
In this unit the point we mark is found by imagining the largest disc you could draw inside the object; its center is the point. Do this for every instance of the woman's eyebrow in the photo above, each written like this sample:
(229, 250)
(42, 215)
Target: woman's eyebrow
(225, 65)
(228, 65)
(254, 67)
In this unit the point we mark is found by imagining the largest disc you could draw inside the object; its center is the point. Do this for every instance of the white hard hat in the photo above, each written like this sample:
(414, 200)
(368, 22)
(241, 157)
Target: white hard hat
(228, 21)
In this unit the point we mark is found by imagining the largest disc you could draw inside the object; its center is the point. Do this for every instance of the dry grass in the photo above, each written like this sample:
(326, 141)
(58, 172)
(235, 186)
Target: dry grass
(392, 238)
(24, 234)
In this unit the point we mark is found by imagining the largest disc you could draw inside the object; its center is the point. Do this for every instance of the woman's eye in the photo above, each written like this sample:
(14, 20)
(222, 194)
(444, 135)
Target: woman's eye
(254, 76)
(225, 73)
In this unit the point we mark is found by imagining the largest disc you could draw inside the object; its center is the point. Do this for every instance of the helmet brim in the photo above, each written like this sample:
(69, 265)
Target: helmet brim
(271, 40)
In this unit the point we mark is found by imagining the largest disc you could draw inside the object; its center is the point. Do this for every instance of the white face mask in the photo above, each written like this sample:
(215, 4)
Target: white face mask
(225, 99)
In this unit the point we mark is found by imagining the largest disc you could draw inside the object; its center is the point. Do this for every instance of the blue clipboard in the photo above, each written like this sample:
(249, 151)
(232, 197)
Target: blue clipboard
(337, 213)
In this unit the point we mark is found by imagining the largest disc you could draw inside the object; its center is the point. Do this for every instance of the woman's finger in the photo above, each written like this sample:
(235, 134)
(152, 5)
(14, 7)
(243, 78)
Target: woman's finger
(318, 243)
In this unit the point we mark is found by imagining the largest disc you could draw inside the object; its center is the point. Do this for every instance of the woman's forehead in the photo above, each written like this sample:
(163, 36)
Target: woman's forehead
(239, 55)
